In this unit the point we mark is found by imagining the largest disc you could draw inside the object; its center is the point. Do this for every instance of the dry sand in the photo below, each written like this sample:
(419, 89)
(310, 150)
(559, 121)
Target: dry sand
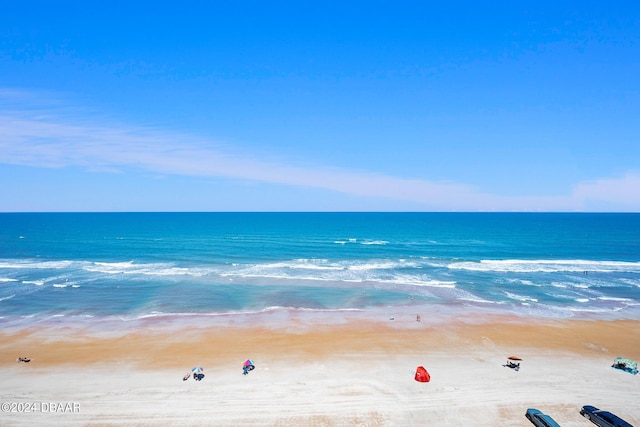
(360, 374)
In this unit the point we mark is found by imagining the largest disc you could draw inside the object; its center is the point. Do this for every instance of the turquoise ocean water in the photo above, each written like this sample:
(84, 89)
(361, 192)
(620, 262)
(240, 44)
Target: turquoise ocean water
(88, 267)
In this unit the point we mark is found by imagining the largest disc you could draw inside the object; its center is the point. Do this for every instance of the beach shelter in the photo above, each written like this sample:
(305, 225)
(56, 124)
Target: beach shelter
(626, 365)
(422, 375)
(247, 366)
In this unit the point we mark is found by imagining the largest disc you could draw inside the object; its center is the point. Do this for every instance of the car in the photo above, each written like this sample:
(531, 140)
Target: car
(602, 418)
(540, 419)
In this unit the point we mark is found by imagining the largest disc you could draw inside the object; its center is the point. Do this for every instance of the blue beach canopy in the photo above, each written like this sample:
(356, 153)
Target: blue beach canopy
(625, 365)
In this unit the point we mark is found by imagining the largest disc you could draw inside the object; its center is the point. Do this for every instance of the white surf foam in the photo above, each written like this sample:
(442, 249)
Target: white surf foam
(34, 282)
(523, 298)
(148, 269)
(548, 266)
(31, 264)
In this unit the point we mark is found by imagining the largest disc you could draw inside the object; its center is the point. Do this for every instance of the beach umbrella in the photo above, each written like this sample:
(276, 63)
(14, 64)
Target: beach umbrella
(247, 366)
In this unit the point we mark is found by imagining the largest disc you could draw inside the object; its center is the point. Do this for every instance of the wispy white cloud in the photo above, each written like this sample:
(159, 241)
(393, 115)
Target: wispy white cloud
(47, 139)
(619, 192)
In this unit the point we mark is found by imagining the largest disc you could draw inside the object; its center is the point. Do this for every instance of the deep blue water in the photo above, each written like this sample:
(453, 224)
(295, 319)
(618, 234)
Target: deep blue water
(132, 265)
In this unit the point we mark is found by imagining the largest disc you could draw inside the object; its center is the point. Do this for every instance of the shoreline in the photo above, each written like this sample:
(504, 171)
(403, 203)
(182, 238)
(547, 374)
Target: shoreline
(285, 318)
(356, 373)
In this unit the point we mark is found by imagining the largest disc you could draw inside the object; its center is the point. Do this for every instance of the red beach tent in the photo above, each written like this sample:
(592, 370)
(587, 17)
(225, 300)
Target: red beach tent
(422, 375)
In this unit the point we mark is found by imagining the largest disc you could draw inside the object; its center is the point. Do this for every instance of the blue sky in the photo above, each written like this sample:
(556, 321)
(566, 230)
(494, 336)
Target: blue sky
(320, 106)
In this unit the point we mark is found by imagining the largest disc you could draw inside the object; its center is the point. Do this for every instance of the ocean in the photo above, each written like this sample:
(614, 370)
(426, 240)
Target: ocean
(123, 268)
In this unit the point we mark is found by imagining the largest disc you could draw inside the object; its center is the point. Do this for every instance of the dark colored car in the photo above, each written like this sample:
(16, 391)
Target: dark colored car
(539, 419)
(602, 418)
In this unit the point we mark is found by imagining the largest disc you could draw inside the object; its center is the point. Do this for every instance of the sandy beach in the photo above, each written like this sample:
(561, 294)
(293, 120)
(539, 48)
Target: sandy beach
(355, 374)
